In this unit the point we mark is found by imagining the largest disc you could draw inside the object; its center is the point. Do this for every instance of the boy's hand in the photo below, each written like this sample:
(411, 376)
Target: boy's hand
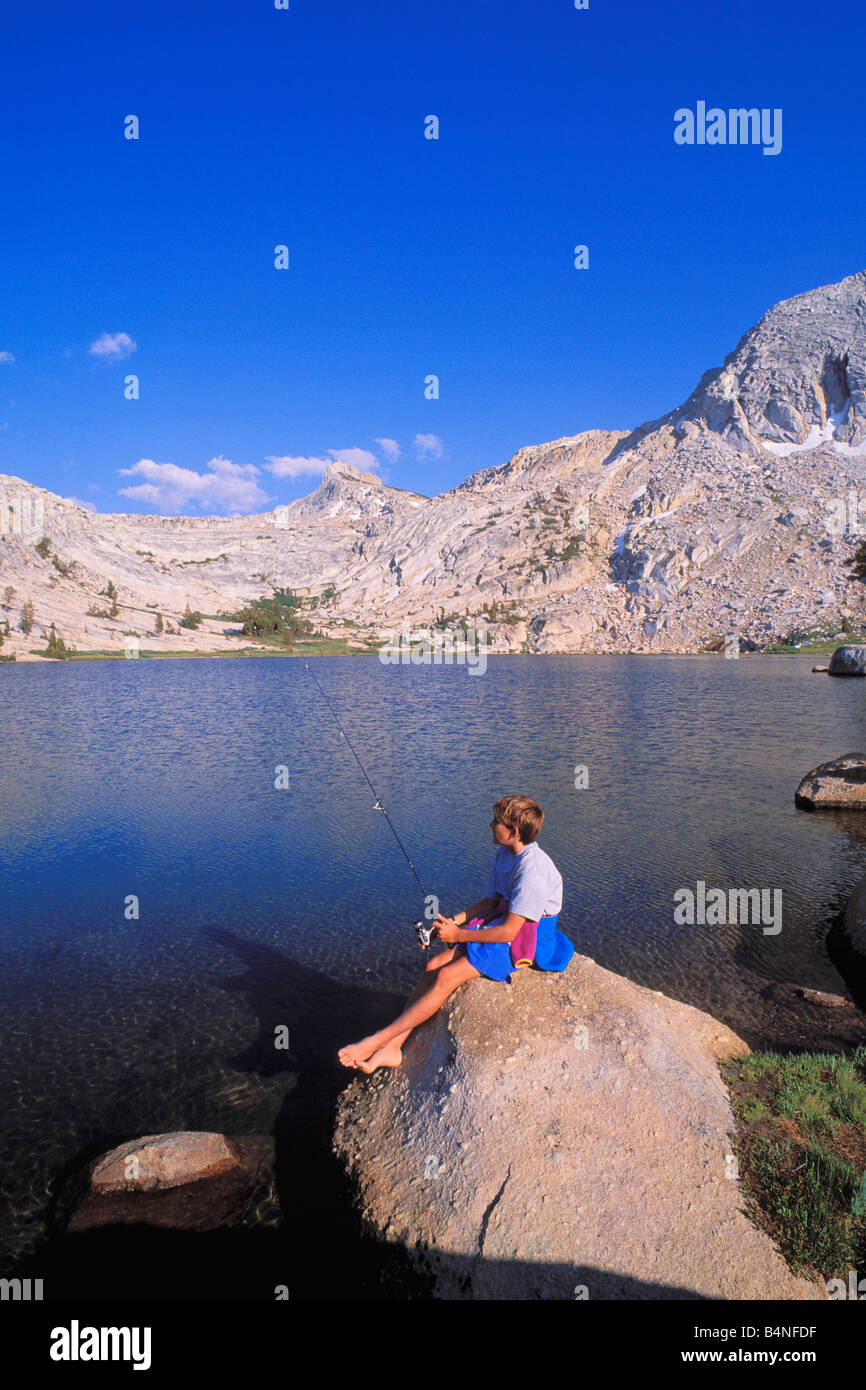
(446, 929)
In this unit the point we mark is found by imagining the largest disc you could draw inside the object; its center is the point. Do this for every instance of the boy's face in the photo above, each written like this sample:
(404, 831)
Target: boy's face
(503, 834)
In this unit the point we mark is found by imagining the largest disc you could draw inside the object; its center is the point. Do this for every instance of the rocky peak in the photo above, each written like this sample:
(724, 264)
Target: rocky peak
(537, 464)
(795, 381)
(349, 494)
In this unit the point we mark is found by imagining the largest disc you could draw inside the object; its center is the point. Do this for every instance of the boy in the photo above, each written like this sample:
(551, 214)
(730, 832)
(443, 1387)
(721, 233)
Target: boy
(520, 909)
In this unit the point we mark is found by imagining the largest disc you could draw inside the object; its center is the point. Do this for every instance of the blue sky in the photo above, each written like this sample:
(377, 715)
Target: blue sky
(407, 257)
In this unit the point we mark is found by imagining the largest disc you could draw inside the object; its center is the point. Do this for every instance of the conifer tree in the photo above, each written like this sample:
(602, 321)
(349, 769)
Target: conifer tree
(190, 619)
(858, 562)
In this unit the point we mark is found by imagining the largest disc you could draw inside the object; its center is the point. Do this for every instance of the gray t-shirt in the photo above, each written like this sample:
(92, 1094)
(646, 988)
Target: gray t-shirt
(529, 881)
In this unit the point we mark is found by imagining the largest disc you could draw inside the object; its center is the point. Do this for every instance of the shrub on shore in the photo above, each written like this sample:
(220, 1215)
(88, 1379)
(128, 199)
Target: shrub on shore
(801, 1148)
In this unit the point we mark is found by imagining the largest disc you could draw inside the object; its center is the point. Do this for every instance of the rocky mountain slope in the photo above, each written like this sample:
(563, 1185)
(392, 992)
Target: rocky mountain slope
(732, 514)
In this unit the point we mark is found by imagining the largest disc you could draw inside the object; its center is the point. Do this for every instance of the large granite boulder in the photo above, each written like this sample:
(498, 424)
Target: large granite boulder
(563, 1137)
(849, 660)
(187, 1180)
(564, 632)
(837, 785)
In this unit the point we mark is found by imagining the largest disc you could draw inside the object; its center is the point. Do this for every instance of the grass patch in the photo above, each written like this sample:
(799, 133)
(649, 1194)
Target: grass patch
(821, 639)
(308, 646)
(817, 647)
(801, 1146)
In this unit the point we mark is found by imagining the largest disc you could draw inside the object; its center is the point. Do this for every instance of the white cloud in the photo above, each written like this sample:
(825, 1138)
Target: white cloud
(288, 466)
(428, 445)
(113, 347)
(390, 448)
(297, 466)
(6, 357)
(362, 459)
(226, 486)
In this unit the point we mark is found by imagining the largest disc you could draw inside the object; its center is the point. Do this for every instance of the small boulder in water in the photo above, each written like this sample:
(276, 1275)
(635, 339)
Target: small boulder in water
(837, 785)
(849, 660)
(820, 996)
(187, 1180)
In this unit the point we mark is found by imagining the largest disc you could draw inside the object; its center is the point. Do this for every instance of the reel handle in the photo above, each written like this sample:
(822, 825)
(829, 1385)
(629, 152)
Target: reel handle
(424, 931)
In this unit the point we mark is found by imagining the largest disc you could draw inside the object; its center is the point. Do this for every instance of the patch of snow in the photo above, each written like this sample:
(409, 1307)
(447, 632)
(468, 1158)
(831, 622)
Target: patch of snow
(818, 435)
(640, 492)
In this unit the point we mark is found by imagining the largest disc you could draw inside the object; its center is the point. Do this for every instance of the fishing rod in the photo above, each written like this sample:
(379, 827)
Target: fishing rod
(424, 929)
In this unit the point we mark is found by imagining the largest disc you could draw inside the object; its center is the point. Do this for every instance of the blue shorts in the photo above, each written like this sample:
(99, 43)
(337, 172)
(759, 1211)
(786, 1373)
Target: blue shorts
(553, 951)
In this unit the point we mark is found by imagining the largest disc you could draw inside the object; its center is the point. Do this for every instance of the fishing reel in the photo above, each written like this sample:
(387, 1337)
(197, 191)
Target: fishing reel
(424, 931)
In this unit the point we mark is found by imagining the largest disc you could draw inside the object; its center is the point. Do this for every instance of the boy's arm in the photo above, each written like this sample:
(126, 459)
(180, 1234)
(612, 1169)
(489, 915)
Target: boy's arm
(479, 909)
(506, 932)
(451, 931)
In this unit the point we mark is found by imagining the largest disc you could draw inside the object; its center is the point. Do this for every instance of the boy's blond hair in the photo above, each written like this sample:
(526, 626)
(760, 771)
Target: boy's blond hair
(522, 814)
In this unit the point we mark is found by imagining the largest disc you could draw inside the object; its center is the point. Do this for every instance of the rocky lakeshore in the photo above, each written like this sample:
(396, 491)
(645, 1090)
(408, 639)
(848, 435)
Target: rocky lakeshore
(565, 1137)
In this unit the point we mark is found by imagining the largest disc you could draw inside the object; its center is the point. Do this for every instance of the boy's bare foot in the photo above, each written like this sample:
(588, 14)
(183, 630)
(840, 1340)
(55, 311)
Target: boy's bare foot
(356, 1053)
(391, 1055)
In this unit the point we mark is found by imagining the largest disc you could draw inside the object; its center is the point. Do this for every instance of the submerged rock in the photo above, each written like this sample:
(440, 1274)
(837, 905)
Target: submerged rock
(839, 784)
(188, 1180)
(821, 997)
(567, 1136)
(849, 660)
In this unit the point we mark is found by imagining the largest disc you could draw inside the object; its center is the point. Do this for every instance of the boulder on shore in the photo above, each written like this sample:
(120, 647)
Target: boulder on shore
(566, 1136)
(188, 1180)
(849, 660)
(839, 784)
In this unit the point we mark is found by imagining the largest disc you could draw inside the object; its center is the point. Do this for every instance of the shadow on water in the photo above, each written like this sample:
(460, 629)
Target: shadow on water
(316, 1251)
(781, 1019)
(141, 1264)
(849, 963)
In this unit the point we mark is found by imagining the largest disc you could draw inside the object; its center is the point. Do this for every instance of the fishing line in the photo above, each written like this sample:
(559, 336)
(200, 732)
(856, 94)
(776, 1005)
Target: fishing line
(378, 805)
